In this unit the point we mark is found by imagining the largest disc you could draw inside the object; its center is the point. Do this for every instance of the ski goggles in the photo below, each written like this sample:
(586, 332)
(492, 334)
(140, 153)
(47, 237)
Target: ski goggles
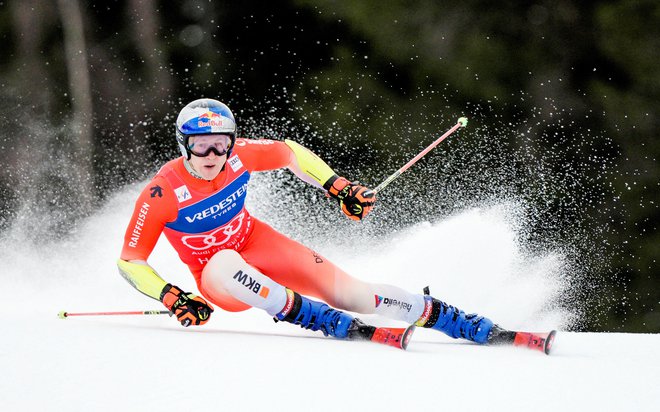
(203, 145)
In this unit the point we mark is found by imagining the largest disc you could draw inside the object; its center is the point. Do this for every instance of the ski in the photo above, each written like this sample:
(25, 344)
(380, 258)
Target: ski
(541, 342)
(536, 341)
(395, 337)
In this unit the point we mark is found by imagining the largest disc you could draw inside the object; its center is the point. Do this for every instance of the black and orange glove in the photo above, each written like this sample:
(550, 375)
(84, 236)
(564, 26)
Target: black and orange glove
(188, 308)
(356, 201)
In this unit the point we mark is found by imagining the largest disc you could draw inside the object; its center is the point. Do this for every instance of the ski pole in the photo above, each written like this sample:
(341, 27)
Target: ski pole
(64, 314)
(462, 122)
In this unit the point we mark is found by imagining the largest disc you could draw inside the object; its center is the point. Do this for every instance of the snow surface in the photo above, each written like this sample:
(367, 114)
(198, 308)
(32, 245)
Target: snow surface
(245, 361)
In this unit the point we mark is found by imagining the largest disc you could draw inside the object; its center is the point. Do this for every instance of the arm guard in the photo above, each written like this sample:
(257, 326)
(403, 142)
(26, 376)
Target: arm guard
(142, 277)
(308, 166)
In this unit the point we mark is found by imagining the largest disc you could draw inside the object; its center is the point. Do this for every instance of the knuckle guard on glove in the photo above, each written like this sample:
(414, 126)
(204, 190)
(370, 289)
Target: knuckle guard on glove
(355, 200)
(188, 308)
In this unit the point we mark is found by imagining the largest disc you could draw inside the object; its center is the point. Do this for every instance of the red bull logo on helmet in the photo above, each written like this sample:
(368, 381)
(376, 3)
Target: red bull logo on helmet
(209, 119)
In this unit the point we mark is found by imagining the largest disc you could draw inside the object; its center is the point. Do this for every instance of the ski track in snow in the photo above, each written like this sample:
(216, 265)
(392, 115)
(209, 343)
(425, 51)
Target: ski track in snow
(245, 361)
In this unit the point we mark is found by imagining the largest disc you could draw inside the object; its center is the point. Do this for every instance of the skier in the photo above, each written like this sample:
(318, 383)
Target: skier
(240, 262)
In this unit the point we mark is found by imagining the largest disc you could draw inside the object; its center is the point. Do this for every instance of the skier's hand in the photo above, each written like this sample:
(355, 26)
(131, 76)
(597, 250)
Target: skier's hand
(355, 200)
(188, 308)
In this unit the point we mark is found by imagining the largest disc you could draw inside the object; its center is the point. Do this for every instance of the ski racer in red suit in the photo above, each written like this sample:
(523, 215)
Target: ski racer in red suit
(240, 262)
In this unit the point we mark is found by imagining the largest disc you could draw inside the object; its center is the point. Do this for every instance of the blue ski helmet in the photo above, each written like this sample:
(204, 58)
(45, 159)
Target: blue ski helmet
(204, 116)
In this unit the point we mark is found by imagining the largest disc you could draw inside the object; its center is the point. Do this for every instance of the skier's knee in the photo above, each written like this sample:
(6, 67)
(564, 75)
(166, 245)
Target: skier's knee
(228, 273)
(222, 267)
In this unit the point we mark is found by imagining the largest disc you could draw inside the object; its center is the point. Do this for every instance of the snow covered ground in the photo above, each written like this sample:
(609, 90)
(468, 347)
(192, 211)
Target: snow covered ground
(247, 362)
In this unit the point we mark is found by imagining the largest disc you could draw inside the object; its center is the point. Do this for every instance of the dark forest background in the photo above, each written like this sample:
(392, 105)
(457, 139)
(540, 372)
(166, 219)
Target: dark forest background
(562, 96)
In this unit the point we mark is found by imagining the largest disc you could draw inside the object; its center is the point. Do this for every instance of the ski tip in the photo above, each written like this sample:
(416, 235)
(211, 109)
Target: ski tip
(407, 335)
(463, 121)
(62, 315)
(549, 341)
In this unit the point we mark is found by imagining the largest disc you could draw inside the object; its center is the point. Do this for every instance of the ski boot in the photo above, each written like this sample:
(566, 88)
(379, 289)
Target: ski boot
(313, 315)
(454, 322)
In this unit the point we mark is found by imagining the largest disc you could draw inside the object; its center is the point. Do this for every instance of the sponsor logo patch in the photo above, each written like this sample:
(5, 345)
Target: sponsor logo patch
(218, 237)
(219, 208)
(156, 191)
(290, 300)
(379, 300)
(209, 119)
(213, 212)
(263, 142)
(182, 194)
(247, 281)
(139, 224)
(392, 302)
(235, 163)
(428, 307)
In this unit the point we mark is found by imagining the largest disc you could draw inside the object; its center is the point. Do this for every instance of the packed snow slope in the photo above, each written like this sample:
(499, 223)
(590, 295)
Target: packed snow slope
(245, 361)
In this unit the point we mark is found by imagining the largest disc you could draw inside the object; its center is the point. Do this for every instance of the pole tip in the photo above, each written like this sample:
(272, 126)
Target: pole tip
(62, 315)
(463, 121)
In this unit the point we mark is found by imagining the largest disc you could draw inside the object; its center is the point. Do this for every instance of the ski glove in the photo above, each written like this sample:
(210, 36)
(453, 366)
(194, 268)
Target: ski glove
(355, 200)
(188, 308)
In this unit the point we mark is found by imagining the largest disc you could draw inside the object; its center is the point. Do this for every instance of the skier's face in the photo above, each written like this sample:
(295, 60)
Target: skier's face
(214, 154)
